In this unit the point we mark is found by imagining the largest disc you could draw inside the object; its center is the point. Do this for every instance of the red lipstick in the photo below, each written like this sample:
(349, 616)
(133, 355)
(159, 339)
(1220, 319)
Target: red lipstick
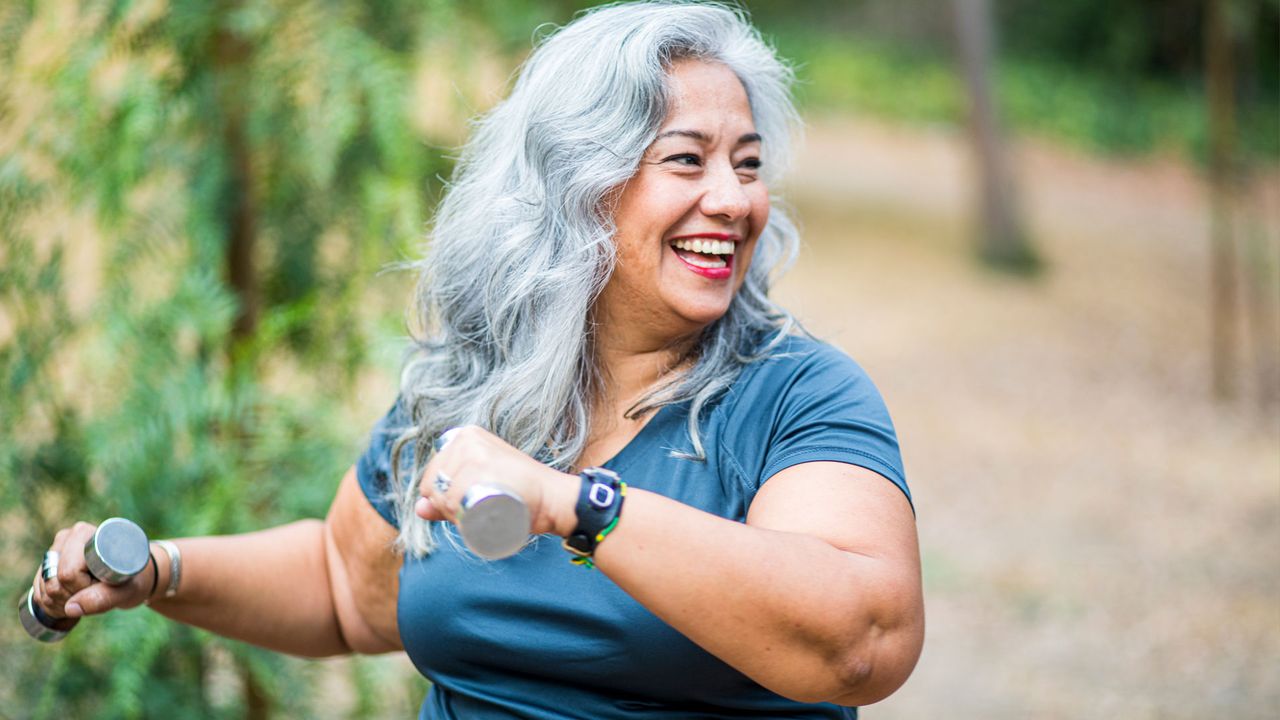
(713, 265)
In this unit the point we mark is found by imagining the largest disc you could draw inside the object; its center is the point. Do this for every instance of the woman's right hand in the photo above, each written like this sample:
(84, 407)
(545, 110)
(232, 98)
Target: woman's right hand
(73, 593)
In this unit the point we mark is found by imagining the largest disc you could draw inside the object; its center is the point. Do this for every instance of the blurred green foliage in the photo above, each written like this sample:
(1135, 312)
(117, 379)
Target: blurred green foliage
(1106, 76)
(133, 134)
(1088, 110)
(141, 139)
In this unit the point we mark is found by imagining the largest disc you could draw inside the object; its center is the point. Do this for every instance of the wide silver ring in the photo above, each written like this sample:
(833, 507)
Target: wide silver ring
(49, 567)
(442, 482)
(444, 438)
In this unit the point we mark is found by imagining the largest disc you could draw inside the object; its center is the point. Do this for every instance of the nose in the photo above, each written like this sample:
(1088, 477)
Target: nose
(724, 197)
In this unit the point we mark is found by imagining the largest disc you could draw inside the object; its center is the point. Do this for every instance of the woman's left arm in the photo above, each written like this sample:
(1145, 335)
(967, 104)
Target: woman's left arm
(816, 597)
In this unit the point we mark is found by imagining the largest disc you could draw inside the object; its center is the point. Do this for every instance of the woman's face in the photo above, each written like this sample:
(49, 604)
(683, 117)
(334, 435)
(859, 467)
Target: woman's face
(688, 220)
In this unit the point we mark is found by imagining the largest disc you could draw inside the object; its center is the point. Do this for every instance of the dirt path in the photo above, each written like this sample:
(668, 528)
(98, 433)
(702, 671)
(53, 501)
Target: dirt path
(1100, 539)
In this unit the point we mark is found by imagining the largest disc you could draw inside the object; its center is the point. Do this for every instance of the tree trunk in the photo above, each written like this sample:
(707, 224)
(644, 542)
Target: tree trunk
(257, 705)
(1260, 266)
(232, 76)
(1220, 95)
(1262, 311)
(1002, 239)
(231, 59)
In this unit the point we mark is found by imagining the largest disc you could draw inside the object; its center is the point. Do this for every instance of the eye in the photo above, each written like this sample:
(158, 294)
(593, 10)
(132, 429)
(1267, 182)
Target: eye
(751, 163)
(686, 159)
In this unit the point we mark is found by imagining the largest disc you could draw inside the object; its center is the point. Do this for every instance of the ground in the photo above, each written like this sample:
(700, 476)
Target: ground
(1100, 537)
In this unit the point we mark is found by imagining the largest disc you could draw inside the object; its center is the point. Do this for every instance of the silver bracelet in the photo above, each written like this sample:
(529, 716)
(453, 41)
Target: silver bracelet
(175, 567)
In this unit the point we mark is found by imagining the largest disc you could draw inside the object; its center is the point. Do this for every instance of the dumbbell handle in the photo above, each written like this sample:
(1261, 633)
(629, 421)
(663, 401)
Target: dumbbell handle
(118, 550)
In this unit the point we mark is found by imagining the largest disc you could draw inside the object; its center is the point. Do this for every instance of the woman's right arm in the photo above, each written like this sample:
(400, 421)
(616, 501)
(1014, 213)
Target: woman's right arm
(311, 588)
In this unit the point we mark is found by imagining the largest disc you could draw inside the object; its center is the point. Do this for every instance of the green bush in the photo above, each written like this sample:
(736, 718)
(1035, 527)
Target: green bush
(126, 387)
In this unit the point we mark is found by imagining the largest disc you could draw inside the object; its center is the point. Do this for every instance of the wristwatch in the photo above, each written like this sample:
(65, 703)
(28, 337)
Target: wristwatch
(599, 506)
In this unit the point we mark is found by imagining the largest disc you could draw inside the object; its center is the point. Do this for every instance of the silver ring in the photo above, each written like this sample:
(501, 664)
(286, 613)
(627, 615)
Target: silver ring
(49, 568)
(442, 482)
(444, 438)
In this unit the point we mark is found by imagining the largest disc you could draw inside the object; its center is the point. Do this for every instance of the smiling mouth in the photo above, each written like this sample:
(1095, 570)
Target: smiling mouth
(709, 257)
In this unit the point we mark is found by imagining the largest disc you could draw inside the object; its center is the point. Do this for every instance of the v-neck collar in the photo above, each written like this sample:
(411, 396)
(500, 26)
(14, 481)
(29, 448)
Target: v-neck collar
(637, 446)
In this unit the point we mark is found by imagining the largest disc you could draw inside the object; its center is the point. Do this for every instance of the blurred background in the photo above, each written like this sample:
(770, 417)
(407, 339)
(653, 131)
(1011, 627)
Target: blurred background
(1050, 232)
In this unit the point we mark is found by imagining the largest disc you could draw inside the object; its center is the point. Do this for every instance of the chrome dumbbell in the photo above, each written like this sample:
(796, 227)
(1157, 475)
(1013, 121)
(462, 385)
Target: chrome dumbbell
(494, 521)
(118, 550)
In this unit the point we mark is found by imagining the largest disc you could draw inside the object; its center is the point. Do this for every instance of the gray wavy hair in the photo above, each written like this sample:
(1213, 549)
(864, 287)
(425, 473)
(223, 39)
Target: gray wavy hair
(522, 243)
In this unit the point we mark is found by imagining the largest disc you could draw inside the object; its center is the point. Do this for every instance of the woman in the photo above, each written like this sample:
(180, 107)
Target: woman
(596, 297)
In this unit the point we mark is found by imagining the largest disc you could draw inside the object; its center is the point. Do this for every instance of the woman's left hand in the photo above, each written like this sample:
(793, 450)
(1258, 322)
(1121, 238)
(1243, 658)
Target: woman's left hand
(473, 456)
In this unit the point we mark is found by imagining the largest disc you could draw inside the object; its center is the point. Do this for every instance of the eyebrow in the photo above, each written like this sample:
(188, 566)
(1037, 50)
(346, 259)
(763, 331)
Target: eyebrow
(703, 137)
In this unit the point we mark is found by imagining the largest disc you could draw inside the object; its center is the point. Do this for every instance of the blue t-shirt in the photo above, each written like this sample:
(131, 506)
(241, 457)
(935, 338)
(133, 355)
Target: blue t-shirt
(533, 636)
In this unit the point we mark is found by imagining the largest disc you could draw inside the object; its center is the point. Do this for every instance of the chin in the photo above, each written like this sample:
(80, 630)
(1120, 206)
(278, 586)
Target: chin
(703, 315)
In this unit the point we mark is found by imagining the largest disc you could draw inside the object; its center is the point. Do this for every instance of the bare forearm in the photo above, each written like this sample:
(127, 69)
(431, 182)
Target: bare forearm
(799, 616)
(270, 588)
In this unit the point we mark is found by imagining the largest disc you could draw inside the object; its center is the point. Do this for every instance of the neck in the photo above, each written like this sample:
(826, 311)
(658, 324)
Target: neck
(632, 364)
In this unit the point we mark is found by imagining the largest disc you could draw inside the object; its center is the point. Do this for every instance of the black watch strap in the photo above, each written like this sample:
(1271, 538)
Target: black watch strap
(599, 503)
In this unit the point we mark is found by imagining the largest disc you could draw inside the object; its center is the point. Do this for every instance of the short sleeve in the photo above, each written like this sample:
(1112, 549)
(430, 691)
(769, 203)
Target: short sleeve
(831, 411)
(373, 469)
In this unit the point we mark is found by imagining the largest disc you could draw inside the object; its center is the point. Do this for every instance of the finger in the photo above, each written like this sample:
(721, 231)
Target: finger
(52, 590)
(73, 571)
(53, 607)
(49, 566)
(444, 492)
(427, 510)
(426, 480)
(48, 572)
(101, 597)
(437, 487)
(447, 476)
(47, 576)
(38, 594)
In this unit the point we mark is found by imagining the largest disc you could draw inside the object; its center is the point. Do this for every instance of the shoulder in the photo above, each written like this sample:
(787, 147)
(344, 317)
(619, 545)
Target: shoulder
(802, 363)
(374, 472)
(804, 401)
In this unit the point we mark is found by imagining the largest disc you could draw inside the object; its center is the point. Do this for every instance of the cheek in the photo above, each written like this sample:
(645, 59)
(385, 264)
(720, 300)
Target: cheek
(759, 219)
(640, 214)
(759, 209)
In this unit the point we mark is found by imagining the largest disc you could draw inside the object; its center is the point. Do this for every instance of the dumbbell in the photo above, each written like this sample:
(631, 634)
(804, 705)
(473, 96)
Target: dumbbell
(493, 521)
(118, 550)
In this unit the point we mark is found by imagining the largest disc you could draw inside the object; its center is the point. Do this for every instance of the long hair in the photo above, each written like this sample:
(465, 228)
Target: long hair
(522, 243)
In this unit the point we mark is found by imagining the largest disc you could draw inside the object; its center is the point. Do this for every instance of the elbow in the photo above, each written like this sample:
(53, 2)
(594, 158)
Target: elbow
(872, 670)
(858, 681)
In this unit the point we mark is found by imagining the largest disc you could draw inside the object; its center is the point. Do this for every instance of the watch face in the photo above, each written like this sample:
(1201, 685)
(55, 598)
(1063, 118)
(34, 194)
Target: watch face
(601, 495)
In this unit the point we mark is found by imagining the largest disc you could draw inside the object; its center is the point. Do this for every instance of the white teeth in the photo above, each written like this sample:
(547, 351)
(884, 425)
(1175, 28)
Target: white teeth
(708, 263)
(710, 247)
